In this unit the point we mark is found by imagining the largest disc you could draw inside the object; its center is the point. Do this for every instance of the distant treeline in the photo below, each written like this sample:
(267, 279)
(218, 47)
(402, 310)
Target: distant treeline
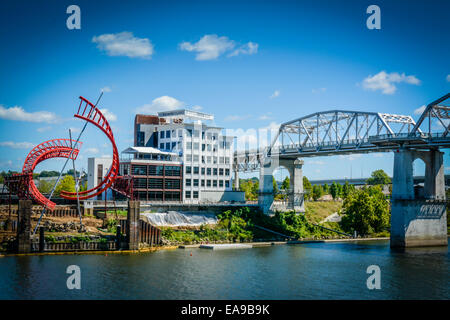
(314, 192)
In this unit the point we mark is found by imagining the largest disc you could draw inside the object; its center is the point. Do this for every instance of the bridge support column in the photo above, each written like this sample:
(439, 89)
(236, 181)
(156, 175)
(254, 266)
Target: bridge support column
(295, 195)
(236, 180)
(24, 226)
(133, 215)
(265, 197)
(418, 222)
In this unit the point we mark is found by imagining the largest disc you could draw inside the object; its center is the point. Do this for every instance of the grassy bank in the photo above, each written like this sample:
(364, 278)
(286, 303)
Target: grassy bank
(242, 225)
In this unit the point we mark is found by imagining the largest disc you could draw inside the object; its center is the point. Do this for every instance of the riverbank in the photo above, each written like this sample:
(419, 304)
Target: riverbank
(188, 246)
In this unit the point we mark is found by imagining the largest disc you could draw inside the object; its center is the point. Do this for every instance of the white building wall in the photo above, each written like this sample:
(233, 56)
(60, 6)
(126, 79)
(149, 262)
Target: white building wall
(93, 169)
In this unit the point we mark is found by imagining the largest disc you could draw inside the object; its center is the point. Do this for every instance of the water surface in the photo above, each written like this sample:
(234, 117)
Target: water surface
(307, 271)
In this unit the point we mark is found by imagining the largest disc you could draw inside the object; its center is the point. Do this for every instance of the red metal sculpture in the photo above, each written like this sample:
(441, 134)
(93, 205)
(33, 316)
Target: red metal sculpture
(88, 112)
(22, 184)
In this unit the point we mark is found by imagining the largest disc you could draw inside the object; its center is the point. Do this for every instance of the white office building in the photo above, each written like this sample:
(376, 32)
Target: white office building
(206, 154)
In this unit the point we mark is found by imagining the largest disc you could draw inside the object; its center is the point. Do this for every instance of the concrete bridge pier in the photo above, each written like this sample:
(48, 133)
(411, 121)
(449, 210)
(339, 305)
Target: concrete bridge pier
(24, 226)
(133, 215)
(418, 221)
(265, 196)
(295, 193)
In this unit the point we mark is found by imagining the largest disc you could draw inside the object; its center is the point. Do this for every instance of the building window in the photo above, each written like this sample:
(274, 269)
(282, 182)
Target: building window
(208, 159)
(208, 183)
(155, 196)
(203, 183)
(188, 194)
(188, 169)
(195, 194)
(227, 172)
(196, 145)
(208, 171)
(172, 196)
(196, 170)
(174, 171)
(220, 171)
(221, 160)
(168, 134)
(140, 183)
(215, 172)
(221, 183)
(161, 146)
(195, 158)
(189, 132)
(196, 133)
(209, 147)
(214, 183)
(168, 146)
(227, 183)
(161, 134)
(188, 182)
(172, 184)
(155, 183)
(159, 170)
(203, 171)
(140, 139)
(214, 160)
(203, 147)
(227, 160)
(139, 170)
(195, 182)
(188, 145)
(174, 144)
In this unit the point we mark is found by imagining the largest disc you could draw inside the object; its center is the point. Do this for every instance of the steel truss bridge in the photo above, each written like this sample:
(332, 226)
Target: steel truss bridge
(348, 132)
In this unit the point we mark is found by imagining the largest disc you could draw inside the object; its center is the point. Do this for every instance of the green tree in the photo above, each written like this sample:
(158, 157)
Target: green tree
(326, 189)
(45, 186)
(275, 186)
(307, 187)
(334, 190)
(46, 174)
(66, 184)
(317, 192)
(340, 190)
(345, 189)
(379, 177)
(286, 183)
(366, 211)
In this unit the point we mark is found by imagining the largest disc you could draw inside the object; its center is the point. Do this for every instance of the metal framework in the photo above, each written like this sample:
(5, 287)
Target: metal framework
(124, 186)
(90, 113)
(339, 132)
(23, 185)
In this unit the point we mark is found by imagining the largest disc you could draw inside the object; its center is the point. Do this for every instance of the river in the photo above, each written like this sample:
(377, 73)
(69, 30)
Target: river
(305, 271)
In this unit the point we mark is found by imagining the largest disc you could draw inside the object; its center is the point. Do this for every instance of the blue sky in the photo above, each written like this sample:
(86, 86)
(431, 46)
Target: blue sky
(253, 64)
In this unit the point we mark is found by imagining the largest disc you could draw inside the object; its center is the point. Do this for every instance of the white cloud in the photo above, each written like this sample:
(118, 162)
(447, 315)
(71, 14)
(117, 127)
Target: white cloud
(248, 48)
(163, 103)
(17, 145)
(236, 118)
(43, 129)
(318, 162)
(351, 157)
(318, 90)
(211, 46)
(385, 81)
(420, 110)
(124, 44)
(265, 117)
(92, 150)
(108, 115)
(19, 114)
(275, 94)
(197, 108)
(106, 89)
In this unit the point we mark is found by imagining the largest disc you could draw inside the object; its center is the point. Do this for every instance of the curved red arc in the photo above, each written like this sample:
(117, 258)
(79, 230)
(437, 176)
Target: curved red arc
(94, 116)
